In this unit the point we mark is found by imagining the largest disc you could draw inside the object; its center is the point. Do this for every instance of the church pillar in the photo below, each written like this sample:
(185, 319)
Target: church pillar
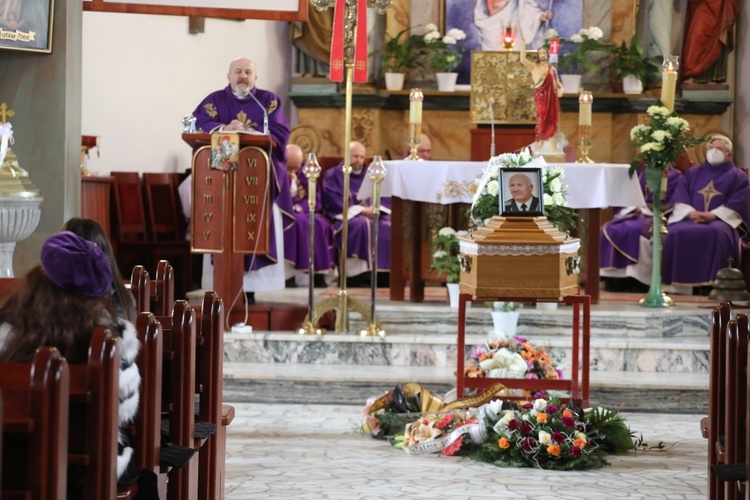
(44, 92)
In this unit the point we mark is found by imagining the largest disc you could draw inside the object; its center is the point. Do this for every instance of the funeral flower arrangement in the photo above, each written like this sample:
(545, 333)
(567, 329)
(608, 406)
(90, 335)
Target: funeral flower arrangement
(445, 258)
(443, 53)
(662, 140)
(486, 201)
(545, 434)
(516, 358)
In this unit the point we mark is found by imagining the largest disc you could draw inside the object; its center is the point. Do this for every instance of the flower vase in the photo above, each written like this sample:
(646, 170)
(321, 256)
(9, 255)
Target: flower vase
(505, 324)
(446, 82)
(655, 297)
(453, 294)
(394, 81)
(571, 83)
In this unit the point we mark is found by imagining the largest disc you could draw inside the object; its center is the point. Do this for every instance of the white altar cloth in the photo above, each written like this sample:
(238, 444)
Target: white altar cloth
(590, 185)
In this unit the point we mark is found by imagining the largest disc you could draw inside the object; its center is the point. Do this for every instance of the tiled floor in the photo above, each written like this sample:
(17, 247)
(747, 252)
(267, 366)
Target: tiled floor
(315, 451)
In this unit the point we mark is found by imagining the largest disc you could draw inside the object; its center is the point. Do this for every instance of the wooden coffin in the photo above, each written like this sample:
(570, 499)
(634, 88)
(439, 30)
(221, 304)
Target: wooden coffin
(519, 257)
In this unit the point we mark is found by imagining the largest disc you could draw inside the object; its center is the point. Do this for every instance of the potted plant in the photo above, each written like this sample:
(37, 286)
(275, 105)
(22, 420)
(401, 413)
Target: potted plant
(398, 55)
(631, 68)
(445, 261)
(504, 319)
(443, 54)
(576, 57)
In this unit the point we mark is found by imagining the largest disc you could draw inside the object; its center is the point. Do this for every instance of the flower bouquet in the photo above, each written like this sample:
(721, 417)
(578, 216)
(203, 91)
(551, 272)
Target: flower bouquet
(515, 358)
(445, 258)
(443, 53)
(580, 46)
(486, 201)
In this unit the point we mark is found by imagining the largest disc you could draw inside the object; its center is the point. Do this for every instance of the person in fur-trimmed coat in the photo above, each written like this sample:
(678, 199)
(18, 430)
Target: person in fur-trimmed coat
(59, 304)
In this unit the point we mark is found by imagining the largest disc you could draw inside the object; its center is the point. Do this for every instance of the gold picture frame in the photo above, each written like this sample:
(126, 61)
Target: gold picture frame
(27, 25)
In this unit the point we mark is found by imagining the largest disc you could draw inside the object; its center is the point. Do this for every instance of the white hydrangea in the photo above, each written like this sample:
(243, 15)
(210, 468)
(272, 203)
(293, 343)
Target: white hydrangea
(431, 36)
(551, 33)
(583, 31)
(456, 33)
(493, 188)
(576, 38)
(449, 40)
(545, 438)
(430, 27)
(555, 185)
(439, 254)
(595, 33)
(447, 231)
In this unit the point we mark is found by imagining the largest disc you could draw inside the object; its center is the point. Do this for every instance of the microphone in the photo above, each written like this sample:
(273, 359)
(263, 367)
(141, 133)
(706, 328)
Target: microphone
(492, 126)
(265, 113)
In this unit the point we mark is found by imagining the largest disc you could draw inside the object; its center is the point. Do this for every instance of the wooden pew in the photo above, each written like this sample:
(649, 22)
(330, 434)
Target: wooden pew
(715, 423)
(735, 400)
(94, 406)
(35, 426)
(178, 394)
(140, 287)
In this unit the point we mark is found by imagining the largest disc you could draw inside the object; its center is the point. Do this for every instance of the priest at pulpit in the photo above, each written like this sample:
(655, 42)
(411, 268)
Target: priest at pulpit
(711, 210)
(243, 107)
(360, 215)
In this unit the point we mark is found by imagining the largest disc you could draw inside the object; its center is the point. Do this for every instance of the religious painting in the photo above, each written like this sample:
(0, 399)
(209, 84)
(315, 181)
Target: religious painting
(278, 10)
(26, 25)
(225, 151)
(484, 23)
(520, 192)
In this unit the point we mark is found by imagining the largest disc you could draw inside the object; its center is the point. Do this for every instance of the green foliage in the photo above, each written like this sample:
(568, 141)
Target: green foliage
(607, 428)
(627, 59)
(503, 306)
(576, 53)
(443, 53)
(399, 55)
(445, 258)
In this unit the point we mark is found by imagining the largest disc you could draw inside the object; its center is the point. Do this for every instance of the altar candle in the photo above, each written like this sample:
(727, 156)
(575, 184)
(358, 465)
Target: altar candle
(585, 100)
(415, 106)
(669, 81)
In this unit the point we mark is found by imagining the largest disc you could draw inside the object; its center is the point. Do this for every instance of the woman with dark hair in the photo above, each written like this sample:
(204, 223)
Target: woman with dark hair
(59, 304)
(88, 229)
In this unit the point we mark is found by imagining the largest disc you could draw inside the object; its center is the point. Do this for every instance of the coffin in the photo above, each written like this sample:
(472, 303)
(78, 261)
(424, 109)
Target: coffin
(519, 257)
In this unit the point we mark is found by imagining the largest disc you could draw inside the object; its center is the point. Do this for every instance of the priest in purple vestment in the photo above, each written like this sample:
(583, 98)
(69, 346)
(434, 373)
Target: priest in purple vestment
(360, 215)
(297, 242)
(243, 107)
(626, 239)
(711, 210)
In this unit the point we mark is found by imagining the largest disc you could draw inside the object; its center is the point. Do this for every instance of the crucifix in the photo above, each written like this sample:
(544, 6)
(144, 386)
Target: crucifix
(5, 113)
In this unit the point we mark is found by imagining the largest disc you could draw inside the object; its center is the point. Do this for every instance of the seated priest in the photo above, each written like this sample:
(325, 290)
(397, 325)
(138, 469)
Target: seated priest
(626, 240)
(297, 241)
(711, 210)
(241, 106)
(360, 215)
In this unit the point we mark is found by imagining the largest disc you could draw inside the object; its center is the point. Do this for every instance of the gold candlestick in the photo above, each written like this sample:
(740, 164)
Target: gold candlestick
(416, 97)
(376, 172)
(312, 171)
(585, 102)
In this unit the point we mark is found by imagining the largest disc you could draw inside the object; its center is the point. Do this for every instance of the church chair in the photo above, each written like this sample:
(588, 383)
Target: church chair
(94, 417)
(716, 394)
(178, 396)
(145, 433)
(35, 426)
(166, 226)
(736, 392)
(209, 386)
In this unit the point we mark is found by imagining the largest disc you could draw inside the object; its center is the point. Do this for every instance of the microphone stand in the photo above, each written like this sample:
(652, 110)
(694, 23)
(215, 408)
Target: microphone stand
(492, 126)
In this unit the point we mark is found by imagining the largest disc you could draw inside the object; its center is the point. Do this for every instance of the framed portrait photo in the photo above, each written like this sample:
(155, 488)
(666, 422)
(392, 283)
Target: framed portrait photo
(26, 25)
(521, 192)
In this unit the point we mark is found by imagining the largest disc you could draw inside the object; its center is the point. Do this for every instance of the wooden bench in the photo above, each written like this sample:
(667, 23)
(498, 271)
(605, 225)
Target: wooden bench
(735, 401)
(35, 426)
(714, 425)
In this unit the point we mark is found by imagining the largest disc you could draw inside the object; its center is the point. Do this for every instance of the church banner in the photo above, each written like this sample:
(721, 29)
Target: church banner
(26, 25)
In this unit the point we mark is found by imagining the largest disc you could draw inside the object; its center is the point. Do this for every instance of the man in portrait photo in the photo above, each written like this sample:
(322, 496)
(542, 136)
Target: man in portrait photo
(522, 198)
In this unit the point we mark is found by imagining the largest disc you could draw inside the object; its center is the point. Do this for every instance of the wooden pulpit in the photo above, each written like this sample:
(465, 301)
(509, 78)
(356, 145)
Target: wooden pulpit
(230, 212)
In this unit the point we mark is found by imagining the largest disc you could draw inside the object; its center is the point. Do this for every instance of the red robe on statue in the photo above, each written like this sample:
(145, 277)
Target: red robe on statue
(547, 106)
(709, 31)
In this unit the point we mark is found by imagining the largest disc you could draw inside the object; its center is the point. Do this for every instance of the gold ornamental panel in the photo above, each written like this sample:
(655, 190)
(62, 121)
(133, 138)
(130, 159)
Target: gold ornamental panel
(498, 79)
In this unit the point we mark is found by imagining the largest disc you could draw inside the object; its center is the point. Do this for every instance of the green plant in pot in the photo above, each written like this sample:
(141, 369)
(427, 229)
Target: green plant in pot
(628, 61)
(399, 54)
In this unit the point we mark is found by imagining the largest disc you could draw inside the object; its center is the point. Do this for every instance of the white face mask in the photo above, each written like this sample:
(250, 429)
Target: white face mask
(715, 156)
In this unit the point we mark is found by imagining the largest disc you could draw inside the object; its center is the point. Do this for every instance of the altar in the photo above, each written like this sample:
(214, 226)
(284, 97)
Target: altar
(591, 186)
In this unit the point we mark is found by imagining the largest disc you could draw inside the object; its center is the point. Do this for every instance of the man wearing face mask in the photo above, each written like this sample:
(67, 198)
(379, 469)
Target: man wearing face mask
(711, 211)
(243, 107)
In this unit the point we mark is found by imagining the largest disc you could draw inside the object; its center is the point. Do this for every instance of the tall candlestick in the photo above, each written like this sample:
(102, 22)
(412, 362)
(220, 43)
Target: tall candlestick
(415, 122)
(669, 81)
(585, 102)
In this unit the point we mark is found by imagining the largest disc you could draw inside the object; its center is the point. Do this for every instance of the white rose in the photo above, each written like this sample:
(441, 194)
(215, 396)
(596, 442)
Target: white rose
(582, 436)
(559, 199)
(447, 231)
(493, 188)
(540, 404)
(545, 438)
(555, 185)
(525, 156)
(548, 199)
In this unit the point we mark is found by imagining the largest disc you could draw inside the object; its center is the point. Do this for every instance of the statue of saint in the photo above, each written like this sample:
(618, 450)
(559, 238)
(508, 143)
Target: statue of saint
(547, 92)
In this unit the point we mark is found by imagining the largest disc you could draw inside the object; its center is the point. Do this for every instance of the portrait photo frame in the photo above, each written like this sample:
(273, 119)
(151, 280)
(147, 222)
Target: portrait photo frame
(27, 25)
(509, 206)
